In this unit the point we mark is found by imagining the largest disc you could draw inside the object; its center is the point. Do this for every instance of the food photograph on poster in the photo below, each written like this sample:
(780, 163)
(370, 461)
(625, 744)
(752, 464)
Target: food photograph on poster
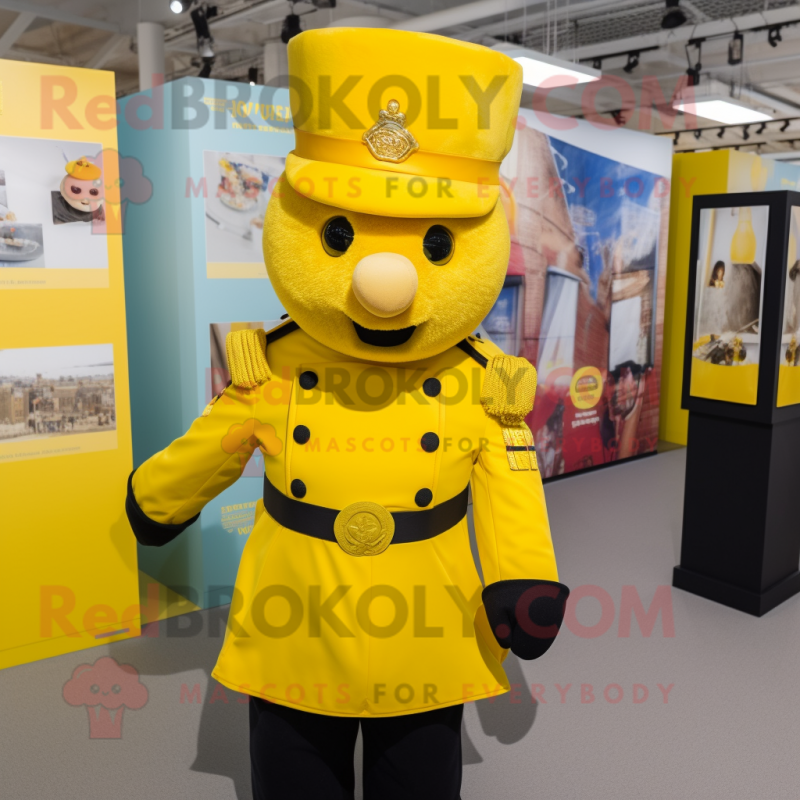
(238, 188)
(55, 393)
(584, 293)
(52, 212)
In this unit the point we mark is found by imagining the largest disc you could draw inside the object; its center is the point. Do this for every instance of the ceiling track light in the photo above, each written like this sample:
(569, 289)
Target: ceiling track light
(291, 27)
(736, 49)
(200, 16)
(252, 76)
(619, 117)
(676, 139)
(761, 128)
(674, 16)
(597, 63)
(179, 6)
(694, 71)
(697, 133)
(633, 62)
(746, 132)
(774, 35)
(785, 126)
(721, 133)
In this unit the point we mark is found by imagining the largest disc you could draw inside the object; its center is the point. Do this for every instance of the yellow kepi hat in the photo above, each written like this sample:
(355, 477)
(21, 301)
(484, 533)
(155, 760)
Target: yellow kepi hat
(83, 170)
(398, 123)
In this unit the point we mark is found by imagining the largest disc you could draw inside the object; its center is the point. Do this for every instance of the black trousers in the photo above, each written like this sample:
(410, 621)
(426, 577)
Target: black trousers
(296, 755)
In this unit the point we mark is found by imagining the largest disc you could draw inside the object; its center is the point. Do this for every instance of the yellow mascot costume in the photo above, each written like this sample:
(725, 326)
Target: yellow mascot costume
(358, 602)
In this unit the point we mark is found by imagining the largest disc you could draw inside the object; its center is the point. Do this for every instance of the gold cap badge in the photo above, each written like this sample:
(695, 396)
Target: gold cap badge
(388, 139)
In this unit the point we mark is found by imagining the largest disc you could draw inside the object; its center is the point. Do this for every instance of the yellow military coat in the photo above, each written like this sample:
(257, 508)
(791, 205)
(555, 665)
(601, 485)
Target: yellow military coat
(311, 625)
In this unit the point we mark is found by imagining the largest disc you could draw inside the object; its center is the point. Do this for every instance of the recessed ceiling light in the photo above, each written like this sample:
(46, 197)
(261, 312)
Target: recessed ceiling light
(720, 109)
(537, 68)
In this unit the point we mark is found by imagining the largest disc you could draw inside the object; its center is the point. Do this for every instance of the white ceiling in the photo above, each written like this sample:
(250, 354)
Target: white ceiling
(102, 34)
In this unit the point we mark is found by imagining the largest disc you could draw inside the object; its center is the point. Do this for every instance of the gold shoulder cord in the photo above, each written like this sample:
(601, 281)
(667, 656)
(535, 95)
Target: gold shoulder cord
(247, 358)
(507, 395)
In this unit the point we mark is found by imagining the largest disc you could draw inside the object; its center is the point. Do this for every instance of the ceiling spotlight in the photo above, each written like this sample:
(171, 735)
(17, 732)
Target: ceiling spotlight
(746, 132)
(761, 128)
(597, 63)
(697, 133)
(619, 117)
(736, 49)
(205, 40)
(774, 36)
(633, 62)
(721, 133)
(785, 126)
(674, 17)
(252, 75)
(676, 139)
(179, 6)
(291, 27)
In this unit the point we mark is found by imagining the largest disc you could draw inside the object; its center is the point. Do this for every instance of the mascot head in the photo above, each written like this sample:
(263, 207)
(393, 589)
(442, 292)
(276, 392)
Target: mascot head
(384, 239)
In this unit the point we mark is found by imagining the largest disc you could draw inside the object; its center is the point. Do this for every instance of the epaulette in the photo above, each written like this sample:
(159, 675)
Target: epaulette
(508, 386)
(247, 354)
(247, 357)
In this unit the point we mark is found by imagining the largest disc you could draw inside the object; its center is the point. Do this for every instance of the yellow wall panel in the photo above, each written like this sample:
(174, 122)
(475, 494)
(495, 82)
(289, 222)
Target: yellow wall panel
(692, 174)
(68, 571)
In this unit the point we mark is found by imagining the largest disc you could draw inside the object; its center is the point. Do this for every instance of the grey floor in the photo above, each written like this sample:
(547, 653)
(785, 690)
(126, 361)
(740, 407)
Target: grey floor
(730, 728)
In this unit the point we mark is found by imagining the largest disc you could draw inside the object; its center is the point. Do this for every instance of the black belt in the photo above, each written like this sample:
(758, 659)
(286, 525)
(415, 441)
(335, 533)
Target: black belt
(409, 526)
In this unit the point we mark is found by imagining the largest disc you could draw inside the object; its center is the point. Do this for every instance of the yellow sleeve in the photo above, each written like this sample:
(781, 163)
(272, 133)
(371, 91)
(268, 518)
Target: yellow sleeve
(511, 525)
(172, 486)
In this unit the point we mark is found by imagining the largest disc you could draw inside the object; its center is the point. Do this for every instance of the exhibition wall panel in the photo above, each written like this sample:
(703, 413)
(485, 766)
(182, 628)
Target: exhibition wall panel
(588, 207)
(208, 155)
(68, 573)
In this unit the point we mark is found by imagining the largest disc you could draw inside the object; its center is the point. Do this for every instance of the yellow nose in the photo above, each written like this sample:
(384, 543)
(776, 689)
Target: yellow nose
(385, 283)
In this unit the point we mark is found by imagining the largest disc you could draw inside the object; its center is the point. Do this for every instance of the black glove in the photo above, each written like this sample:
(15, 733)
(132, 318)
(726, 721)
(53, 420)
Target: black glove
(525, 615)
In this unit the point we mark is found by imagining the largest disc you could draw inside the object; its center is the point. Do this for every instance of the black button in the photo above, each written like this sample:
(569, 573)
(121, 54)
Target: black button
(308, 379)
(301, 434)
(432, 387)
(298, 488)
(423, 497)
(430, 442)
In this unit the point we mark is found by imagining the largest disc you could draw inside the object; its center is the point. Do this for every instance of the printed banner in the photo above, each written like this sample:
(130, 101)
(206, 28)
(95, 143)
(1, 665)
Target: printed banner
(588, 208)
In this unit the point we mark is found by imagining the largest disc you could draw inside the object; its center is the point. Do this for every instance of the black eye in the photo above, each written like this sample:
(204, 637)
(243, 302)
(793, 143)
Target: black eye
(438, 245)
(93, 192)
(75, 189)
(337, 236)
(94, 688)
(116, 688)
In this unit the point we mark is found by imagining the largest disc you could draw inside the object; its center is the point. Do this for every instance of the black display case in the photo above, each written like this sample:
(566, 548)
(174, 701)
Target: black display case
(741, 386)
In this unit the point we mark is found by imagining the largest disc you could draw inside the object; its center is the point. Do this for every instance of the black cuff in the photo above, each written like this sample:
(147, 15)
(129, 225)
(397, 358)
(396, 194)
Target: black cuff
(147, 531)
(525, 615)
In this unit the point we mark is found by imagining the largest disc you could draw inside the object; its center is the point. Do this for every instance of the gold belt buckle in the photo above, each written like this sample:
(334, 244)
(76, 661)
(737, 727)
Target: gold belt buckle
(364, 529)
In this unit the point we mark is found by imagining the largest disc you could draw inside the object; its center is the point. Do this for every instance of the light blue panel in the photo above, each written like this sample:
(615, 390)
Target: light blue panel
(171, 303)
